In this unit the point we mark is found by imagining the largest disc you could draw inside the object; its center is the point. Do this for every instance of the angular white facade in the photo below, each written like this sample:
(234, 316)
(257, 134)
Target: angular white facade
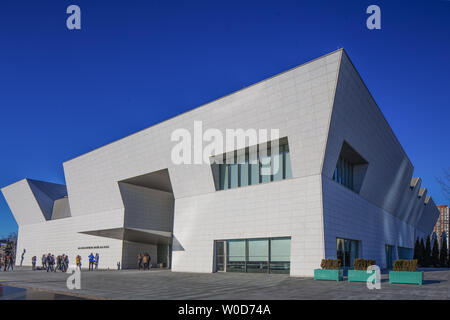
(129, 197)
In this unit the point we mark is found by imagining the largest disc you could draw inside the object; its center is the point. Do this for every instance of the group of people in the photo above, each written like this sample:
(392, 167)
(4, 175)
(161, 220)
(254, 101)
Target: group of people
(93, 261)
(144, 261)
(61, 262)
(52, 264)
(7, 262)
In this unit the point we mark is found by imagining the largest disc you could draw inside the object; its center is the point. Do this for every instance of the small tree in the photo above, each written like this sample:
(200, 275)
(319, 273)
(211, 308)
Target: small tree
(422, 253)
(427, 254)
(417, 249)
(443, 254)
(445, 183)
(435, 253)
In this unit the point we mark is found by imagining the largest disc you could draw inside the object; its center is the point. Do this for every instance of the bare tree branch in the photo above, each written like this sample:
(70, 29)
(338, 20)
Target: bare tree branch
(445, 183)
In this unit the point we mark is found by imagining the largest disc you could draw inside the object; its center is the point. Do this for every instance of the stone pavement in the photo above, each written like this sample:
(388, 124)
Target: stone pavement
(163, 284)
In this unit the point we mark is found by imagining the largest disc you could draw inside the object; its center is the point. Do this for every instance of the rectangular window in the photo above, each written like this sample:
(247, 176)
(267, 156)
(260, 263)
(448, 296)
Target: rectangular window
(234, 177)
(347, 251)
(264, 165)
(262, 255)
(287, 163)
(258, 164)
(236, 256)
(389, 256)
(258, 255)
(224, 176)
(254, 169)
(343, 174)
(243, 171)
(277, 164)
(280, 255)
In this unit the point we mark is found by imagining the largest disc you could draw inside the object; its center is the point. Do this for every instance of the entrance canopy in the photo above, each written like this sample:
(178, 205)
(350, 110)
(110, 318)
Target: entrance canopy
(134, 235)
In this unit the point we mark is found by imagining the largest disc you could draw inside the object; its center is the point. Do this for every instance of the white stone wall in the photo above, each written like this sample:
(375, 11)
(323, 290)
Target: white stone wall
(147, 208)
(62, 236)
(276, 209)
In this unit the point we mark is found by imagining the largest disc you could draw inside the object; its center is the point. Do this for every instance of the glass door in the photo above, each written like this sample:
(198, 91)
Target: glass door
(389, 256)
(347, 251)
(220, 256)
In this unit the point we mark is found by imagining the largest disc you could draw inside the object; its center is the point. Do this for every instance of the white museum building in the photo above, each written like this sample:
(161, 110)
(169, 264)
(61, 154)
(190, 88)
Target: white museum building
(341, 186)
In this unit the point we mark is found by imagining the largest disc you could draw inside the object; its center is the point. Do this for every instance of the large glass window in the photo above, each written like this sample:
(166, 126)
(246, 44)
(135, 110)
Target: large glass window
(277, 164)
(265, 171)
(234, 176)
(236, 256)
(258, 255)
(258, 164)
(287, 162)
(264, 255)
(224, 176)
(254, 169)
(405, 253)
(347, 251)
(243, 171)
(389, 256)
(343, 174)
(280, 255)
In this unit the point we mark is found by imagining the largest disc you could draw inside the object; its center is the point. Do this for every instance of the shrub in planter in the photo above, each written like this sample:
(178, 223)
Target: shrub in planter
(405, 265)
(331, 270)
(359, 272)
(405, 271)
(333, 264)
(362, 264)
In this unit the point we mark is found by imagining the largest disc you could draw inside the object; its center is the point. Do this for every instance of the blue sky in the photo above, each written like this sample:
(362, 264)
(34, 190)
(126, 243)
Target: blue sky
(136, 63)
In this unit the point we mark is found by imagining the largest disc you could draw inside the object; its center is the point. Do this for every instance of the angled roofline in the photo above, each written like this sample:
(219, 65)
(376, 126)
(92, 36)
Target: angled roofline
(207, 103)
(378, 107)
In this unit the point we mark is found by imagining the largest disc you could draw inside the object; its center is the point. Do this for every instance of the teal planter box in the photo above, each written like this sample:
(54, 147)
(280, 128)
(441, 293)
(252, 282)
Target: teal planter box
(415, 277)
(329, 274)
(359, 275)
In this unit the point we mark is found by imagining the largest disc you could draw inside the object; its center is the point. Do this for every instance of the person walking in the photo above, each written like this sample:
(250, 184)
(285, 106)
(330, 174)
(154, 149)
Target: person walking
(11, 262)
(78, 262)
(44, 262)
(58, 263)
(53, 263)
(5, 262)
(33, 263)
(97, 257)
(146, 260)
(66, 263)
(23, 256)
(91, 261)
(49, 262)
(139, 261)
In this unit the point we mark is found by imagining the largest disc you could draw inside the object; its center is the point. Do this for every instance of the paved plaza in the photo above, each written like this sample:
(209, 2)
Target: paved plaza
(163, 284)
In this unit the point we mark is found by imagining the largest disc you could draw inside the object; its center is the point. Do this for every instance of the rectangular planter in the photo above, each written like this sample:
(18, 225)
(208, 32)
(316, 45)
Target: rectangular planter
(329, 274)
(415, 277)
(359, 275)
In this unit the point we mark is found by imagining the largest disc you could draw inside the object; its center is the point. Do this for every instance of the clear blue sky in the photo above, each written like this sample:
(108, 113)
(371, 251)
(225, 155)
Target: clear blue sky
(136, 63)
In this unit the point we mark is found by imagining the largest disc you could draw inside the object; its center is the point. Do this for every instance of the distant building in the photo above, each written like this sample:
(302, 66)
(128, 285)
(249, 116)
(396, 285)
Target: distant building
(441, 229)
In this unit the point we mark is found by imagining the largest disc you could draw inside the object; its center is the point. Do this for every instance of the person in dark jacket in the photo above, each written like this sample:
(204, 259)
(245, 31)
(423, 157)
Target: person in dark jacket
(49, 262)
(91, 261)
(11, 262)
